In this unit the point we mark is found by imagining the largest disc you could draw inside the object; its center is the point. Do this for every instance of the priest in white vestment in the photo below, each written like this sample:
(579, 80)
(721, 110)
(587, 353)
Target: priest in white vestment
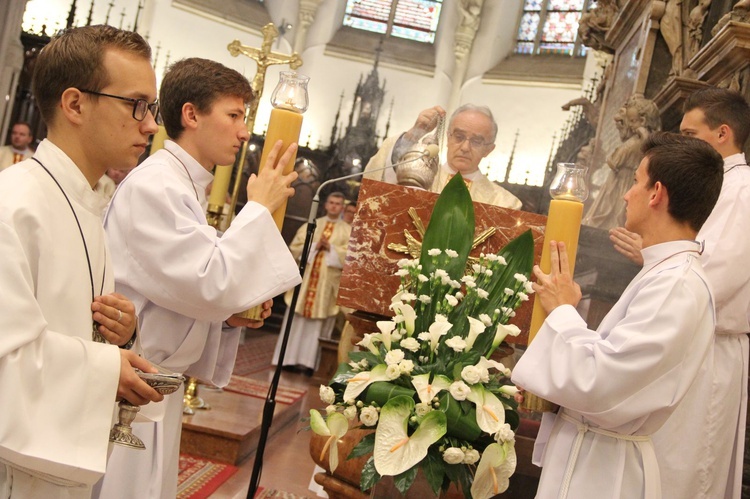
(700, 448)
(18, 149)
(316, 311)
(187, 281)
(472, 131)
(617, 385)
(59, 388)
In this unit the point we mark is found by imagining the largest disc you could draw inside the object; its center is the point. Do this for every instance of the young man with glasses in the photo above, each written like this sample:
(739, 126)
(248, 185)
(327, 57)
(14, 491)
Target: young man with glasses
(60, 379)
(471, 137)
(187, 280)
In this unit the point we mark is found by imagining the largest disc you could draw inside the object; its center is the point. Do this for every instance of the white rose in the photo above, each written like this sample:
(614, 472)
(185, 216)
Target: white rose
(528, 287)
(452, 301)
(394, 356)
(350, 412)
(424, 336)
(471, 456)
(459, 390)
(486, 320)
(424, 299)
(451, 253)
(453, 455)
(326, 394)
(457, 343)
(520, 277)
(393, 371)
(505, 434)
(523, 296)
(481, 293)
(422, 278)
(410, 344)
(369, 416)
(402, 272)
(471, 375)
(508, 291)
(422, 409)
(406, 366)
(433, 252)
(330, 409)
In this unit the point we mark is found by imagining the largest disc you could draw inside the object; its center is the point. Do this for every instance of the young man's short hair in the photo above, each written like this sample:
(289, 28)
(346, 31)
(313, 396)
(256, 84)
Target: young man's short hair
(722, 106)
(199, 82)
(75, 59)
(691, 171)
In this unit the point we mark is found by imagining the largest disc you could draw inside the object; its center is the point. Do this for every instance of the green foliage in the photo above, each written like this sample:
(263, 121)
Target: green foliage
(364, 447)
(370, 475)
(404, 480)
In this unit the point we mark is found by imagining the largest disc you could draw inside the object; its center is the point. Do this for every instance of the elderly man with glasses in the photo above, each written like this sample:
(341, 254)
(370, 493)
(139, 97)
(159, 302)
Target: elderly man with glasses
(471, 137)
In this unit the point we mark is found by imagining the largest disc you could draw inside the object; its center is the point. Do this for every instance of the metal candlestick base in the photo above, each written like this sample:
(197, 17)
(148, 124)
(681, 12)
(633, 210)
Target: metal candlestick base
(534, 403)
(122, 432)
(191, 400)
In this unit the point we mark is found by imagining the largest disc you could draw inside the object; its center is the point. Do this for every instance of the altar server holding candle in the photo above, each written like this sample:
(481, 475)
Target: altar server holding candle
(617, 385)
(187, 280)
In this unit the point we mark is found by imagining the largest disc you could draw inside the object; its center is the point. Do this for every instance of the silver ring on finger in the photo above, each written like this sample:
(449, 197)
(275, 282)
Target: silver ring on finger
(119, 317)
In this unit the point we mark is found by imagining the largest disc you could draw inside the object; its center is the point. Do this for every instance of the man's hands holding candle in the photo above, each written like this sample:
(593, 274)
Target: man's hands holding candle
(271, 187)
(556, 288)
(237, 320)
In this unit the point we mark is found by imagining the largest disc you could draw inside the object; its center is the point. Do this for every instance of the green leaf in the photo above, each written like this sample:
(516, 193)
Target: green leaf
(512, 418)
(365, 355)
(364, 446)
(370, 476)
(434, 470)
(381, 392)
(461, 424)
(404, 480)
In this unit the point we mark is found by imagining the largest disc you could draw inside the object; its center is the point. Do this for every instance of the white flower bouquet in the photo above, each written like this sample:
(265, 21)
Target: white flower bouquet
(426, 382)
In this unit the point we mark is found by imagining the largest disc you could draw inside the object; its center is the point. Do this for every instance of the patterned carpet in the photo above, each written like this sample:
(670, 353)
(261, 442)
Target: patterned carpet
(277, 494)
(198, 478)
(259, 389)
(255, 353)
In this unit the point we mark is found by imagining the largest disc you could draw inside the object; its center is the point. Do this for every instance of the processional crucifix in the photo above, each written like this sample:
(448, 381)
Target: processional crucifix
(263, 58)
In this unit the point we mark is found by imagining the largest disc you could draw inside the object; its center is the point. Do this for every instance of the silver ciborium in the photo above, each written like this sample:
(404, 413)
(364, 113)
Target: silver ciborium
(122, 433)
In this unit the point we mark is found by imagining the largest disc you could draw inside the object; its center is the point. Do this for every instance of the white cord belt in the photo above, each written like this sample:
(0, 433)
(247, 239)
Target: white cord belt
(652, 480)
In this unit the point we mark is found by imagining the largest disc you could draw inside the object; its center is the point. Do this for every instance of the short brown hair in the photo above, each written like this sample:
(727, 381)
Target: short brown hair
(74, 59)
(722, 106)
(199, 82)
(691, 171)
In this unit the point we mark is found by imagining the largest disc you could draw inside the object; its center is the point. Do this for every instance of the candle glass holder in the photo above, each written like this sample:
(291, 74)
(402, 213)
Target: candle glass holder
(569, 183)
(291, 92)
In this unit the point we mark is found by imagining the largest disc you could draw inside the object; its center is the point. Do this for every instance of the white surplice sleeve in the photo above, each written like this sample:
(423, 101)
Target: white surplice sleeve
(182, 265)
(642, 363)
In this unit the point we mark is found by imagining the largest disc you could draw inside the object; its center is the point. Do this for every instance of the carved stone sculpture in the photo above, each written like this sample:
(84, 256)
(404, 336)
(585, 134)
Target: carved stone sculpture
(671, 30)
(740, 13)
(594, 25)
(695, 28)
(635, 121)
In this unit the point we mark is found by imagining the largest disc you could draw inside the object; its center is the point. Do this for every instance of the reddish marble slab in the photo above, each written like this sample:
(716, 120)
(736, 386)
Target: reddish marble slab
(368, 281)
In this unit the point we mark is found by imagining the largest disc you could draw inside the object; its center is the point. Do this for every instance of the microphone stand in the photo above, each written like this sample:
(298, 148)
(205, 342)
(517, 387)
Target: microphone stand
(270, 404)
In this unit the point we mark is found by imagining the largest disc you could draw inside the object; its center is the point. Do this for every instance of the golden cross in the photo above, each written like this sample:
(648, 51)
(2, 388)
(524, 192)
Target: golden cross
(263, 57)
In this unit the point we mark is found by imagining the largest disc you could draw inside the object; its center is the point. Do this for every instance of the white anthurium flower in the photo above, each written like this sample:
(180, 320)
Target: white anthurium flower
(475, 329)
(362, 380)
(335, 427)
(436, 330)
(386, 328)
(410, 316)
(494, 470)
(426, 390)
(502, 331)
(395, 451)
(486, 364)
(368, 342)
(490, 410)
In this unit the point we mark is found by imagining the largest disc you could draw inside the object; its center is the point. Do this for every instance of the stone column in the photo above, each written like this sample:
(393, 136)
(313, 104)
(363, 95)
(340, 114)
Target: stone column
(469, 10)
(305, 18)
(11, 58)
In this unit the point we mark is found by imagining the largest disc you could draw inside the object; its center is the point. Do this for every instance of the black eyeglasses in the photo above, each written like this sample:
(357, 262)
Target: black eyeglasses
(140, 106)
(459, 138)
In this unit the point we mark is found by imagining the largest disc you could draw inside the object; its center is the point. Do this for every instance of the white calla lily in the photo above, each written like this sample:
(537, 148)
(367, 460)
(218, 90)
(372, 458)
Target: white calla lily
(488, 363)
(438, 329)
(490, 410)
(368, 341)
(410, 316)
(362, 380)
(426, 390)
(335, 427)
(386, 328)
(475, 329)
(395, 450)
(495, 468)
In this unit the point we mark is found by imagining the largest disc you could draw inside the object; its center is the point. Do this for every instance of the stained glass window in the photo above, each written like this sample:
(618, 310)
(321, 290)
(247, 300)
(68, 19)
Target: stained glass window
(410, 19)
(558, 20)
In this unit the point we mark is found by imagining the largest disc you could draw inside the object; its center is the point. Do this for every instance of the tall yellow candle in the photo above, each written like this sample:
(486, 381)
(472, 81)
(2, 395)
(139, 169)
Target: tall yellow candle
(563, 225)
(219, 188)
(157, 142)
(284, 125)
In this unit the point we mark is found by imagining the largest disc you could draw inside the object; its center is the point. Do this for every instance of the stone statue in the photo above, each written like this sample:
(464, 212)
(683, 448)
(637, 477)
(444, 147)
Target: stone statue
(635, 121)
(740, 13)
(591, 109)
(594, 25)
(469, 10)
(695, 28)
(671, 30)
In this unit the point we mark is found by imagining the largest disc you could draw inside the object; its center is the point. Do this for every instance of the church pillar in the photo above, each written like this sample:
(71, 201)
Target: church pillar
(11, 58)
(305, 18)
(464, 38)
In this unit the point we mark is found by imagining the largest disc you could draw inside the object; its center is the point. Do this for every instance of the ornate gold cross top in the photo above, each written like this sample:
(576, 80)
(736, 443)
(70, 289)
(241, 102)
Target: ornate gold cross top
(263, 57)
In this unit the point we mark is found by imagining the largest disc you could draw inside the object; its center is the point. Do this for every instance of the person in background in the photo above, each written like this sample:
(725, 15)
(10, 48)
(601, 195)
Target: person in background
(18, 149)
